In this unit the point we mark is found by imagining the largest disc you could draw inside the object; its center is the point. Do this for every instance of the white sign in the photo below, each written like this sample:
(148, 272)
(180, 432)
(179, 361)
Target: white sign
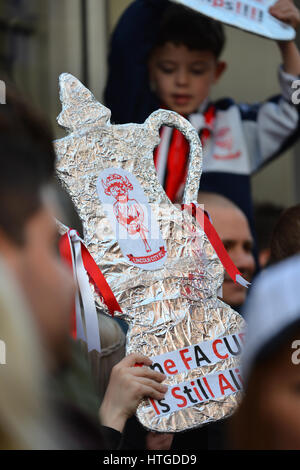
(203, 388)
(250, 15)
(130, 215)
(199, 390)
(202, 354)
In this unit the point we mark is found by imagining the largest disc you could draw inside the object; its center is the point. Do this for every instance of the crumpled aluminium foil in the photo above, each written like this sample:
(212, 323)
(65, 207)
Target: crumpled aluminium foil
(169, 308)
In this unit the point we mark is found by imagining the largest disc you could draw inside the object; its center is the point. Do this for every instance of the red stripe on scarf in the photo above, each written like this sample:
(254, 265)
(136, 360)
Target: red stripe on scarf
(177, 164)
(178, 155)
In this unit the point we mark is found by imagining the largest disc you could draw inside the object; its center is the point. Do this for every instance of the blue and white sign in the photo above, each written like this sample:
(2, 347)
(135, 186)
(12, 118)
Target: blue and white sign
(250, 15)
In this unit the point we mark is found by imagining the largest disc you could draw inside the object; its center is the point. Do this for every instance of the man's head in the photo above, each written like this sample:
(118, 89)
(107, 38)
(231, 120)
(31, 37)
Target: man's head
(28, 235)
(233, 229)
(184, 62)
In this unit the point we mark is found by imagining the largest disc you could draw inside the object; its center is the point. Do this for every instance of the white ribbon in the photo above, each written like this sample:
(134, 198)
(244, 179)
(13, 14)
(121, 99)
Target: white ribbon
(92, 336)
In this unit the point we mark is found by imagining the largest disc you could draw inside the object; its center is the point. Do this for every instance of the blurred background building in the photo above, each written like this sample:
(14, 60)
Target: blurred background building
(39, 39)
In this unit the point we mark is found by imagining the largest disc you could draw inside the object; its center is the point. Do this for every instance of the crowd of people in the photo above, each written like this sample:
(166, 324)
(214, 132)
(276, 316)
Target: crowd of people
(53, 393)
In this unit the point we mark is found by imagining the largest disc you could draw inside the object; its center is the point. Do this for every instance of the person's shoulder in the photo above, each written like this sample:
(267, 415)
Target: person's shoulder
(246, 110)
(223, 104)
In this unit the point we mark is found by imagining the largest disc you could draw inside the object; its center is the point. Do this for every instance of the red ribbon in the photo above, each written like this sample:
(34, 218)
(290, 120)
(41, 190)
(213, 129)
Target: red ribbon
(99, 281)
(95, 276)
(209, 117)
(211, 233)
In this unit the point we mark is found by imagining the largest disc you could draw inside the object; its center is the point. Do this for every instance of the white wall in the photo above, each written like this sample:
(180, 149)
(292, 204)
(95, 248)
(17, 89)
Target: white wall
(57, 47)
(65, 46)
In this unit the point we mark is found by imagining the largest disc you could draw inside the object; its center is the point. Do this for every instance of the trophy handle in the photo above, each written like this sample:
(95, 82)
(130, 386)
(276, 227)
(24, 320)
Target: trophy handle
(163, 117)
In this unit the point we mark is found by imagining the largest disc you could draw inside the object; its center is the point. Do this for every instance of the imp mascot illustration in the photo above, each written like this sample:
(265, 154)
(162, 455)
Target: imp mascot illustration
(128, 212)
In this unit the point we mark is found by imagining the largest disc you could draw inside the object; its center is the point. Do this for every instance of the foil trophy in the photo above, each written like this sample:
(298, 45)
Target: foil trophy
(160, 265)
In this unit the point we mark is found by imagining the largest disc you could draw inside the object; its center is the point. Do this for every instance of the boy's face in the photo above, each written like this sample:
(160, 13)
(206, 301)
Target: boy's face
(182, 77)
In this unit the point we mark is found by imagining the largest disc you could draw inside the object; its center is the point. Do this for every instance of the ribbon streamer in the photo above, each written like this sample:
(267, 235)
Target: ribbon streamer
(99, 281)
(71, 250)
(85, 270)
(203, 220)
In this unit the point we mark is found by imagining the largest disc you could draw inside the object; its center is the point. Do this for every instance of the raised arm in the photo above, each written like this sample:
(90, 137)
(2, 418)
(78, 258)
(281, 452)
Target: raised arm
(286, 11)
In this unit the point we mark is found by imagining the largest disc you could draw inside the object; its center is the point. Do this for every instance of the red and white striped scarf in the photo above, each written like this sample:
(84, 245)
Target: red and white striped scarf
(172, 154)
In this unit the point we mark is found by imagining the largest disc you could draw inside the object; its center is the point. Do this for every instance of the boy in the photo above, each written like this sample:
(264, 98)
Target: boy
(183, 65)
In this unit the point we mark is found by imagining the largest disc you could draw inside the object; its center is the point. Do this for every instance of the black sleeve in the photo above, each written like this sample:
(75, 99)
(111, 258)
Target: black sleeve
(112, 438)
(132, 438)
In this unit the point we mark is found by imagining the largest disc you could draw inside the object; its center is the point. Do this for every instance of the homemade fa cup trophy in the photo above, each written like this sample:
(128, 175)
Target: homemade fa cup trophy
(161, 267)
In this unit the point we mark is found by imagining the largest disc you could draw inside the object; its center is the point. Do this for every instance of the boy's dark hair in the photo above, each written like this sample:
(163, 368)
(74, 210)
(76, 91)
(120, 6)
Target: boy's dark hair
(266, 215)
(27, 161)
(181, 25)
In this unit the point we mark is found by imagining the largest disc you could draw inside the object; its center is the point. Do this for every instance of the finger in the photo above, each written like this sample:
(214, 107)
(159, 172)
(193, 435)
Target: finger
(149, 373)
(284, 17)
(286, 3)
(136, 358)
(278, 6)
(282, 11)
(283, 6)
(149, 392)
(153, 384)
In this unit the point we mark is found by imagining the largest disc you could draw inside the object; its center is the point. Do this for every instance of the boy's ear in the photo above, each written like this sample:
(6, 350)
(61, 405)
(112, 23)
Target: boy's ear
(220, 69)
